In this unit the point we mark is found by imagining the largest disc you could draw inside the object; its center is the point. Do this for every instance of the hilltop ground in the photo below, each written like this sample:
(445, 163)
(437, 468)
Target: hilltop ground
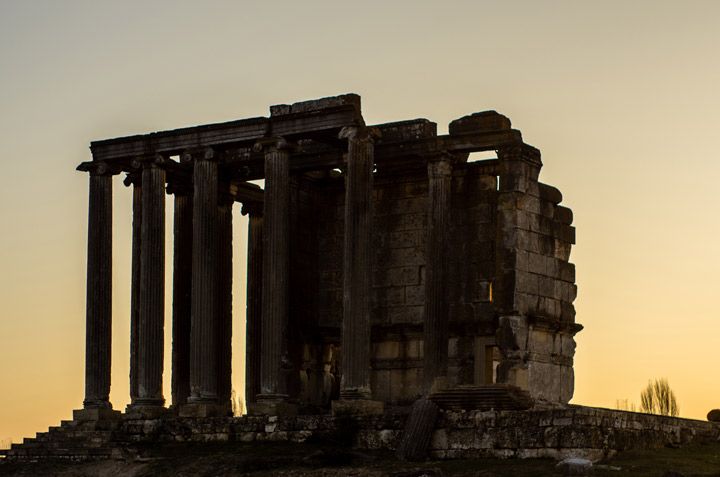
(309, 460)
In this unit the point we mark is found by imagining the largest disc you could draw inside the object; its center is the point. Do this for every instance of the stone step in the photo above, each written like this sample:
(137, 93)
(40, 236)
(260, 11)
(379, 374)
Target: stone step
(70, 444)
(492, 396)
(70, 453)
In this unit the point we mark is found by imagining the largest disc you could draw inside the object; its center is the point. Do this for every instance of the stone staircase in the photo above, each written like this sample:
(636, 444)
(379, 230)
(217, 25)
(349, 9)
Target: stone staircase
(71, 440)
(498, 397)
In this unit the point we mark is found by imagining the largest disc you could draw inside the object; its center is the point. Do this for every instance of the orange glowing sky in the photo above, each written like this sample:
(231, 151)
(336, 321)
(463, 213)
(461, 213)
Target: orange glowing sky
(621, 97)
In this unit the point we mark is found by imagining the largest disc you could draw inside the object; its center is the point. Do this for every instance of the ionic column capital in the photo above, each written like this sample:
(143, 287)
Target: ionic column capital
(150, 161)
(201, 154)
(99, 168)
(440, 165)
(274, 144)
(358, 133)
(133, 178)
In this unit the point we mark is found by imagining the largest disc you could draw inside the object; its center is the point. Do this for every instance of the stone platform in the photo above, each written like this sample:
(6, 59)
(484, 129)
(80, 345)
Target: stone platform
(574, 430)
(499, 397)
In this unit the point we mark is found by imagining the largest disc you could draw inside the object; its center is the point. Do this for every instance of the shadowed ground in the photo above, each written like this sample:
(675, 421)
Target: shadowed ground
(180, 460)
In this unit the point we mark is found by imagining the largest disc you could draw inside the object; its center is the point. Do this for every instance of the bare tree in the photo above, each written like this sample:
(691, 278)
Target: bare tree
(658, 398)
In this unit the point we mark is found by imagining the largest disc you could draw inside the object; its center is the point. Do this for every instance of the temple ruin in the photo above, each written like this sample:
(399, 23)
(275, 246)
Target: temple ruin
(402, 293)
(384, 263)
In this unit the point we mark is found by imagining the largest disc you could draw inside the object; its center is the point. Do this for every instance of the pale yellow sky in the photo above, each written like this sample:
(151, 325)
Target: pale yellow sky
(621, 97)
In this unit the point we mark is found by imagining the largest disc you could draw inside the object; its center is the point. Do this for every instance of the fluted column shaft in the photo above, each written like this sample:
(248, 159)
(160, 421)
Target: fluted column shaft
(435, 333)
(98, 330)
(182, 291)
(224, 301)
(135, 285)
(275, 271)
(357, 269)
(204, 327)
(152, 288)
(253, 335)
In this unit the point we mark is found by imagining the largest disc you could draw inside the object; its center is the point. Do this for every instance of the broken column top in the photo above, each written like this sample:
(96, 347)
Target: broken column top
(480, 122)
(350, 99)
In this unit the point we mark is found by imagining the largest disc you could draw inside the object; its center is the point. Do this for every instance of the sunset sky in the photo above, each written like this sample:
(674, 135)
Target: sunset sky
(622, 98)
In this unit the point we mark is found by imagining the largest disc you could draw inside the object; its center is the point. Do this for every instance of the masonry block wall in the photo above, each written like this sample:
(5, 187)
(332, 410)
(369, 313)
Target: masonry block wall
(537, 317)
(530, 252)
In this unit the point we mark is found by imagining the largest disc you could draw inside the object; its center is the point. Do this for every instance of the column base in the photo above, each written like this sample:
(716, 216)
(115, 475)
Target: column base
(204, 409)
(272, 405)
(96, 414)
(145, 411)
(357, 407)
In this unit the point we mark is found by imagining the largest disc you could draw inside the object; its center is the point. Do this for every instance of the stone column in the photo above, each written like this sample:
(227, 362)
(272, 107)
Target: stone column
(182, 291)
(136, 180)
(435, 332)
(357, 273)
(204, 327)
(253, 335)
(152, 288)
(98, 328)
(273, 393)
(224, 301)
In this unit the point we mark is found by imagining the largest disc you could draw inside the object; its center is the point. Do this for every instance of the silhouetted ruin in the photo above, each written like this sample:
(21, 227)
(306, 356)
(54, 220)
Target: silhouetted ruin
(386, 265)
(383, 264)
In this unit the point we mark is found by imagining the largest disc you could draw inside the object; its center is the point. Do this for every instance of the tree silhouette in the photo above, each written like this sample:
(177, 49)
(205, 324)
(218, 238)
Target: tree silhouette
(658, 398)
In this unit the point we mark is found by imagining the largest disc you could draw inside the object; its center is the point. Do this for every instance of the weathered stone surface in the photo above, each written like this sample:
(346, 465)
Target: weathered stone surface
(714, 415)
(357, 266)
(575, 431)
(152, 287)
(316, 105)
(275, 269)
(95, 414)
(254, 303)
(204, 317)
(182, 298)
(418, 430)
(574, 466)
(407, 130)
(484, 121)
(436, 330)
(272, 406)
(98, 328)
(357, 407)
(136, 180)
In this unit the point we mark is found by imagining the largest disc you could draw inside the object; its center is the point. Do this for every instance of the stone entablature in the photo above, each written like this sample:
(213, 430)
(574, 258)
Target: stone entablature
(382, 263)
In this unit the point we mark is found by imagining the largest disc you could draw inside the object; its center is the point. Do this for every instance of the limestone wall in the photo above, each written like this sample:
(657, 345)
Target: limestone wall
(557, 433)
(545, 283)
(576, 430)
(510, 282)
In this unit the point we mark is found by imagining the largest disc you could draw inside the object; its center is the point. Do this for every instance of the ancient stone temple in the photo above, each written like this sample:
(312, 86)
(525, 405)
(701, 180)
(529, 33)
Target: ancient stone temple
(384, 263)
(402, 293)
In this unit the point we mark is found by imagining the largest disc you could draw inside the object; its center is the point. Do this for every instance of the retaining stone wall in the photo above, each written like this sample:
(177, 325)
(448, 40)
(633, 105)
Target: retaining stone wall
(557, 433)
